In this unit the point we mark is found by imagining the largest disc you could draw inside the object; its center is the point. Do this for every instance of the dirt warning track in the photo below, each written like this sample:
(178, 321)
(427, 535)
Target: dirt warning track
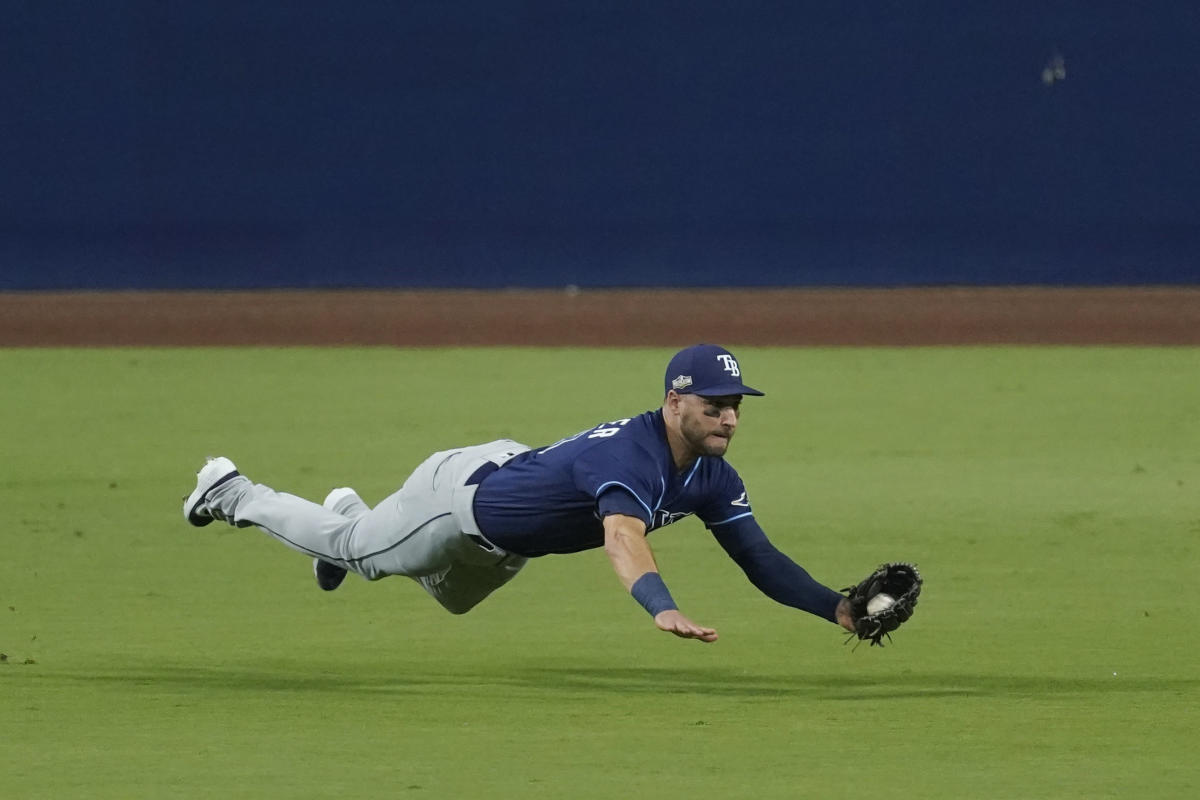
(667, 317)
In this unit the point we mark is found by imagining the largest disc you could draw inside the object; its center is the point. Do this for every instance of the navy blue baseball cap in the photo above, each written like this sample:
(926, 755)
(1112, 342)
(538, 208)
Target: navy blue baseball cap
(706, 370)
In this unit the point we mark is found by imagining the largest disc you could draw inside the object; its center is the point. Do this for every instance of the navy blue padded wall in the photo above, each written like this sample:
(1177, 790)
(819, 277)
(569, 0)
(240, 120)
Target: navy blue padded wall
(173, 145)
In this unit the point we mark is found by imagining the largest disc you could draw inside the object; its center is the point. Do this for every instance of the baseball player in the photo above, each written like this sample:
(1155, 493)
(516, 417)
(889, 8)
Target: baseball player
(467, 520)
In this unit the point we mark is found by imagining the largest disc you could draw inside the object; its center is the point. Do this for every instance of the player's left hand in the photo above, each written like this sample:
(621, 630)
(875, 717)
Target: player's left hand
(898, 584)
(673, 622)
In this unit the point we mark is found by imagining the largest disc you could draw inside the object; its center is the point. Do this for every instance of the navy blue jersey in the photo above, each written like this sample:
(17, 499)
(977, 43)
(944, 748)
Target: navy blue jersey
(553, 499)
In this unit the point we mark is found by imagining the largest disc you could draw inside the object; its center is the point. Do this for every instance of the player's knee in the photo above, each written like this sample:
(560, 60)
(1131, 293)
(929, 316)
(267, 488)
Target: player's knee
(460, 602)
(457, 605)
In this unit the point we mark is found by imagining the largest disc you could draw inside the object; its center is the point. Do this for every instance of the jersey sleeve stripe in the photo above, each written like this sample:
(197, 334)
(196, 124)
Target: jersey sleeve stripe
(603, 486)
(731, 519)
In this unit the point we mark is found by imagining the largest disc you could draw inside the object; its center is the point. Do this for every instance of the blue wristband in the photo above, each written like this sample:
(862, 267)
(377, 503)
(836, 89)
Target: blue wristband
(651, 592)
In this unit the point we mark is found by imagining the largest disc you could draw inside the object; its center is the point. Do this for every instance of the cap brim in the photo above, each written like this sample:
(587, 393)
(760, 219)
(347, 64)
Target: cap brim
(726, 389)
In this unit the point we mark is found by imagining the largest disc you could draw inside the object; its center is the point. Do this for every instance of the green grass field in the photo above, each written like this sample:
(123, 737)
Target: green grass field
(1050, 495)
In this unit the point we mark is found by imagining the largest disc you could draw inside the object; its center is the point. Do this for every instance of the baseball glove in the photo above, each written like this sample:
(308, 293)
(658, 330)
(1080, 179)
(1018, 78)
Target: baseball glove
(899, 580)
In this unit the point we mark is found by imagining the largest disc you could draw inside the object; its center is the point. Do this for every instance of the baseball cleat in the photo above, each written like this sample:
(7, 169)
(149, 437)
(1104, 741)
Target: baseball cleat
(215, 472)
(330, 576)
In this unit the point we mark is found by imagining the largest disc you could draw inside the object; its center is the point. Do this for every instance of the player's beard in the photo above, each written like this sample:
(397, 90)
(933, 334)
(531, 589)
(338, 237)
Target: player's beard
(702, 439)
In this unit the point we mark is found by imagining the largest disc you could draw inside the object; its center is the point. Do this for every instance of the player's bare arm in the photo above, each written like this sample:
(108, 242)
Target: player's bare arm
(633, 561)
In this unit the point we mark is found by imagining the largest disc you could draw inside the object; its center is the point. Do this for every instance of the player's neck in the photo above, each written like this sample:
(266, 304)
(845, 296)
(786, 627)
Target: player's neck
(682, 453)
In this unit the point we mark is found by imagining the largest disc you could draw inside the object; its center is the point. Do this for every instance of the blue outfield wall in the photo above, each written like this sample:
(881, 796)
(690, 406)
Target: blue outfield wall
(163, 144)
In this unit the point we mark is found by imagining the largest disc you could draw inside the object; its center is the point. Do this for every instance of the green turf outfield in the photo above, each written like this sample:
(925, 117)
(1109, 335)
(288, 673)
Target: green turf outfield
(1050, 495)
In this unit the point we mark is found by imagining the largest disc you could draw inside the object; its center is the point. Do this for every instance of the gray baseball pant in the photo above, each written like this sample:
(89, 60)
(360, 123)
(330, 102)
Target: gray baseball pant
(426, 530)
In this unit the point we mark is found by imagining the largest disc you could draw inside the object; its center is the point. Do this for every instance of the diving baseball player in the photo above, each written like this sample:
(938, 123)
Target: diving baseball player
(467, 520)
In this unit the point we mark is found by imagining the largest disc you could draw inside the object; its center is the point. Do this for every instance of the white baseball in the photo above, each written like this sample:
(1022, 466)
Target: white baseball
(879, 602)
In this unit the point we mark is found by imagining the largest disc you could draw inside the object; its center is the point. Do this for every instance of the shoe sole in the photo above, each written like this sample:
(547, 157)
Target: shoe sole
(327, 586)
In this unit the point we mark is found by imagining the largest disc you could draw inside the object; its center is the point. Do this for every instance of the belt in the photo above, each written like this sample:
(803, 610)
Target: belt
(485, 469)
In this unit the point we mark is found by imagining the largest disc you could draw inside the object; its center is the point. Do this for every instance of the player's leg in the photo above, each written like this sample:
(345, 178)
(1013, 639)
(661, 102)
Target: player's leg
(417, 531)
(344, 501)
(296, 522)
(412, 532)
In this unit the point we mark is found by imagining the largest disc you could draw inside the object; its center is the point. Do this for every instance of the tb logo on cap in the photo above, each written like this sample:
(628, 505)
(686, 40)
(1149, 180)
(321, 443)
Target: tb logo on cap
(730, 364)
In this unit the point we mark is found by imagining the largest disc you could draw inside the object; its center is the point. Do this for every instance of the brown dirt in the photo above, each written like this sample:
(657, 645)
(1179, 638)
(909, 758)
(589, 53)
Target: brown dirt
(1139, 316)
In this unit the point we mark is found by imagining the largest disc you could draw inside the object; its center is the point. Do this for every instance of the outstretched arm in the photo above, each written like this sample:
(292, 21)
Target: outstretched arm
(777, 576)
(632, 559)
